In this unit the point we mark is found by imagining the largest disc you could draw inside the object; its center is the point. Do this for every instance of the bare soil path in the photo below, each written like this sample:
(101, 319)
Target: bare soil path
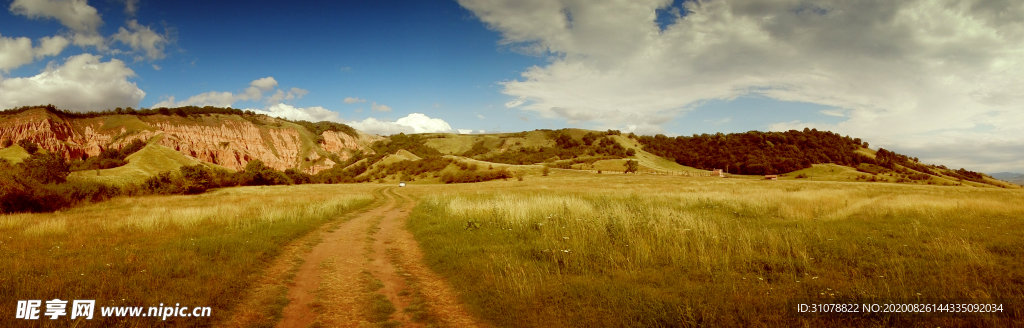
(372, 254)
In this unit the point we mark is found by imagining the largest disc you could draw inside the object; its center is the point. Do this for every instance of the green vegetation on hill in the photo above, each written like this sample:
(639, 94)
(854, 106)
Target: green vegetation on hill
(594, 145)
(108, 158)
(757, 152)
(14, 154)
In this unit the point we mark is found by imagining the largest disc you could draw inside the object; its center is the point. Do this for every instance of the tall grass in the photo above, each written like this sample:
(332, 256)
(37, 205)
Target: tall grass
(201, 250)
(703, 252)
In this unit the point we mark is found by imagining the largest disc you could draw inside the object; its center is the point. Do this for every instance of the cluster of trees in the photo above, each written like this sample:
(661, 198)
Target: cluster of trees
(318, 128)
(108, 158)
(39, 184)
(890, 159)
(412, 143)
(566, 147)
(198, 178)
(471, 174)
(757, 152)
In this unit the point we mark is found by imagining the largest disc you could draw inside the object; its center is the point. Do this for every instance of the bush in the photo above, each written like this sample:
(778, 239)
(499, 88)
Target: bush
(257, 174)
(45, 168)
(473, 176)
(28, 145)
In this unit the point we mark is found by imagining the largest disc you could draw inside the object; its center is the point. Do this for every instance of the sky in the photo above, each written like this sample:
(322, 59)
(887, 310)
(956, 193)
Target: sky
(941, 80)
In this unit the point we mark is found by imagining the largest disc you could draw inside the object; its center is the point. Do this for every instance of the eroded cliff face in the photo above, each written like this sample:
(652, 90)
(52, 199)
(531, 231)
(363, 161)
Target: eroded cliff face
(225, 140)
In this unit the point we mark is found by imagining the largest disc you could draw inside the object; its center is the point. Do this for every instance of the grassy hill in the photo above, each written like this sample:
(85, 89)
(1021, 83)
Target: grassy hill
(284, 144)
(145, 163)
(490, 147)
(14, 154)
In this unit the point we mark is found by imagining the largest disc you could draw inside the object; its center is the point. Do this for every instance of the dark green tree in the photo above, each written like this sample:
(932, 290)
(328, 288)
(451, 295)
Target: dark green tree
(632, 166)
(45, 168)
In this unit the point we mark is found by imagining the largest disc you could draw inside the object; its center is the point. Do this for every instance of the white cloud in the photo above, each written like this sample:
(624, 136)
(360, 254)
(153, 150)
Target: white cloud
(899, 70)
(83, 83)
(374, 126)
(465, 131)
(312, 114)
(131, 7)
(76, 15)
(15, 52)
(292, 94)
(264, 84)
(379, 108)
(353, 100)
(412, 123)
(833, 112)
(424, 124)
(141, 37)
(225, 99)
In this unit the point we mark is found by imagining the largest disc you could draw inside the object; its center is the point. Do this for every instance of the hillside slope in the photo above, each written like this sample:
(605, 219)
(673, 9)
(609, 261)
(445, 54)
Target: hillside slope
(225, 137)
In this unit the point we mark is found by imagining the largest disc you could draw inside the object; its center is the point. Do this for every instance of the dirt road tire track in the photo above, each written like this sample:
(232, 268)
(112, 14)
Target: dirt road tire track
(332, 270)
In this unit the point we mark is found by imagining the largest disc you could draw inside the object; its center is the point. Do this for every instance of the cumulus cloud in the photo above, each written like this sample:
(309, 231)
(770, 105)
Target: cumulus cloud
(291, 94)
(353, 100)
(412, 123)
(226, 99)
(312, 114)
(379, 108)
(76, 15)
(264, 84)
(83, 83)
(142, 38)
(900, 70)
(15, 52)
(131, 7)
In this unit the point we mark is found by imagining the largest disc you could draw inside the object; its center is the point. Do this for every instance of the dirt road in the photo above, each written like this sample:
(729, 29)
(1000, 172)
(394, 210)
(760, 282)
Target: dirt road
(348, 279)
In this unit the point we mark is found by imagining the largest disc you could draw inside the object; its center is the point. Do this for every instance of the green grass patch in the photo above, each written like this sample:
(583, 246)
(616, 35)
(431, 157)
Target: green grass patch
(14, 154)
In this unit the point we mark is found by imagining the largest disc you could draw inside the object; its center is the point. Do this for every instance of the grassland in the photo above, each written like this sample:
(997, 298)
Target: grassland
(14, 154)
(202, 250)
(648, 251)
(147, 162)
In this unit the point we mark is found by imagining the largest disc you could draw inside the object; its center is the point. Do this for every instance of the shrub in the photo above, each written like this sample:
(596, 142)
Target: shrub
(45, 168)
(28, 145)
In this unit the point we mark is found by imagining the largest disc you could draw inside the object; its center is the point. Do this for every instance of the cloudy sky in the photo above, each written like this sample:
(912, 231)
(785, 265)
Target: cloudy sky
(942, 80)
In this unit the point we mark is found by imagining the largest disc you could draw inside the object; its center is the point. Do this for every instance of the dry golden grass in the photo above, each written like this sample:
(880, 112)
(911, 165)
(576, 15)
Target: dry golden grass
(672, 251)
(201, 250)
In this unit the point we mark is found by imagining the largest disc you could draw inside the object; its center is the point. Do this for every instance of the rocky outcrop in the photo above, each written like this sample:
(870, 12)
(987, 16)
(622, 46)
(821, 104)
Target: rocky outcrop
(225, 140)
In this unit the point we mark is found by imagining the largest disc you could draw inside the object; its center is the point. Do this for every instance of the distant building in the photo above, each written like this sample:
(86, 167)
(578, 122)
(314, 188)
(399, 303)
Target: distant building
(718, 172)
(401, 184)
(771, 177)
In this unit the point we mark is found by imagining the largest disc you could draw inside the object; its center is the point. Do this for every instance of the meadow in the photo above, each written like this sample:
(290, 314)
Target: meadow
(200, 251)
(576, 250)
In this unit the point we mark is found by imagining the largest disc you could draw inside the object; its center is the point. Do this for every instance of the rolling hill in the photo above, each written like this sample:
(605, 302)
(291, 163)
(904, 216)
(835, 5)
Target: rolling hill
(332, 152)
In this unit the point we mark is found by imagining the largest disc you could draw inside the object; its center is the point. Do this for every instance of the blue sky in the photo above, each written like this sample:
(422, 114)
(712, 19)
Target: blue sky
(886, 72)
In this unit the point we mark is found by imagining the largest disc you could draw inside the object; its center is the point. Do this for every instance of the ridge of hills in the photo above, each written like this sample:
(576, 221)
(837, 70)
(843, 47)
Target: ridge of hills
(228, 139)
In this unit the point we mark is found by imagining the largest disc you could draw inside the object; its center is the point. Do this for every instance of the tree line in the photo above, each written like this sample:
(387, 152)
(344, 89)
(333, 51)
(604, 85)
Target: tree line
(758, 152)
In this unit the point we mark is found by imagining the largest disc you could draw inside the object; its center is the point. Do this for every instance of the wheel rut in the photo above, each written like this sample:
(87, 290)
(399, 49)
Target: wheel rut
(358, 269)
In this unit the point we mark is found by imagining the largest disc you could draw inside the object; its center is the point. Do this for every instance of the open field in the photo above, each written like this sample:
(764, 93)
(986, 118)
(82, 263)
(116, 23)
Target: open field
(644, 251)
(203, 250)
(572, 249)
